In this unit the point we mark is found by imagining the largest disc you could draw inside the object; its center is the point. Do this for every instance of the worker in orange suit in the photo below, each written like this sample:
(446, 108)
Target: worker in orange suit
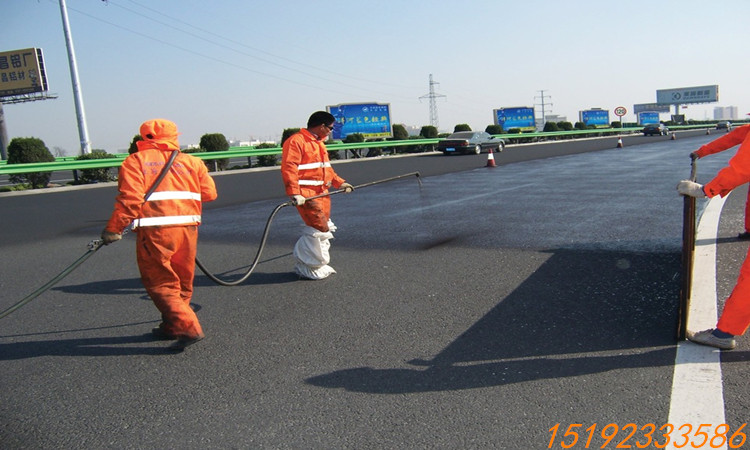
(306, 172)
(726, 142)
(166, 224)
(735, 318)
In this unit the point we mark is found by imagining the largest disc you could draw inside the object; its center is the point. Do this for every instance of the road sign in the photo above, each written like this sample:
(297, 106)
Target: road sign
(620, 111)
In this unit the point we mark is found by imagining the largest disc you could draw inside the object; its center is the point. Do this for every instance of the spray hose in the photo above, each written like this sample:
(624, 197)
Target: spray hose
(96, 244)
(262, 245)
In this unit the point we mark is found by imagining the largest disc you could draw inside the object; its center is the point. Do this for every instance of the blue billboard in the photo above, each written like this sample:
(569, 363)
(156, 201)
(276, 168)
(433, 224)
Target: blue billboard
(372, 120)
(596, 117)
(521, 117)
(646, 118)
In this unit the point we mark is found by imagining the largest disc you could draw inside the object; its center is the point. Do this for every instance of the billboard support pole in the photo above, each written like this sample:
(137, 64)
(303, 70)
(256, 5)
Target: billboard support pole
(3, 135)
(83, 132)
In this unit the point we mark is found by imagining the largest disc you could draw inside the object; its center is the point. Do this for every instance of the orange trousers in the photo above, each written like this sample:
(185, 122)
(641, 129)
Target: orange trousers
(166, 260)
(735, 318)
(315, 213)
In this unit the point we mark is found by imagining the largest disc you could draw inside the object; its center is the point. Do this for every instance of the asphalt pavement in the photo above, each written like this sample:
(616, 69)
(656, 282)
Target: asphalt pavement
(474, 307)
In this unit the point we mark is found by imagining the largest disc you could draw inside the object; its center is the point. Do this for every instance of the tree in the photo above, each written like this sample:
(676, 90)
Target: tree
(429, 132)
(102, 174)
(266, 160)
(216, 142)
(354, 138)
(288, 132)
(400, 133)
(494, 129)
(461, 127)
(133, 146)
(29, 150)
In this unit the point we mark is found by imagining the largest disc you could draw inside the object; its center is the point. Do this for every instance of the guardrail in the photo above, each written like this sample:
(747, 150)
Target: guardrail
(71, 163)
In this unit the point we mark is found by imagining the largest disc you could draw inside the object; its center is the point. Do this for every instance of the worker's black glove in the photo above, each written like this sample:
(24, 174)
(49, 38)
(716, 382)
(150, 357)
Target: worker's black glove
(347, 187)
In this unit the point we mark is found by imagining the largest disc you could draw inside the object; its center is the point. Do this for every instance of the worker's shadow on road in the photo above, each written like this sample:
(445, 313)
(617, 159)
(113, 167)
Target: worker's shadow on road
(123, 286)
(558, 323)
(141, 344)
(134, 287)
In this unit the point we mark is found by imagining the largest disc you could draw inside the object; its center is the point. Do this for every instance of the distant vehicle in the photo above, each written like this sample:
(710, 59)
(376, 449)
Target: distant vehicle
(724, 125)
(468, 142)
(655, 128)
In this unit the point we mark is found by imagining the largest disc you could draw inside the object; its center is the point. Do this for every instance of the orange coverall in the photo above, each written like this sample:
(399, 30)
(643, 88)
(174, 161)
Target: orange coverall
(306, 171)
(735, 318)
(166, 224)
(724, 143)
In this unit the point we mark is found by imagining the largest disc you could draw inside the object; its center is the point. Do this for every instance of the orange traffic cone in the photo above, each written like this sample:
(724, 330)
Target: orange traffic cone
(619, 143)
(490, 160)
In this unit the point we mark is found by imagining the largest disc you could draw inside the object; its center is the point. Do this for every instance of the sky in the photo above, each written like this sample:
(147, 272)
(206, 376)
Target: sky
(249, 69)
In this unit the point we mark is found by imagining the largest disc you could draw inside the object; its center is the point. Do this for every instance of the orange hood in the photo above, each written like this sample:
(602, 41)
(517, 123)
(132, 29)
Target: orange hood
(158, 134)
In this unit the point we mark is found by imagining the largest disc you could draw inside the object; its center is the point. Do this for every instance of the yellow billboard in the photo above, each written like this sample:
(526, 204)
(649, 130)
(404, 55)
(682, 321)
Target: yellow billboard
(22, 72)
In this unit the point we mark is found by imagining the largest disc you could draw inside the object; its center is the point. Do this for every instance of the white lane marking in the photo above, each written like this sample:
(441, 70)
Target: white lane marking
(697, 391)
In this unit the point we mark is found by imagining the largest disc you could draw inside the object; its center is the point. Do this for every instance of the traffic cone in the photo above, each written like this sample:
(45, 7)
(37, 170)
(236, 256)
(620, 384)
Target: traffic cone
(619, 143)
(708, 131)
(490, 160)
(674, 136)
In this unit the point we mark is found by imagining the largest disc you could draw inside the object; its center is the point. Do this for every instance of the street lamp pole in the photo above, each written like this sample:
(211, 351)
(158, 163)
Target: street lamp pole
(80, 113)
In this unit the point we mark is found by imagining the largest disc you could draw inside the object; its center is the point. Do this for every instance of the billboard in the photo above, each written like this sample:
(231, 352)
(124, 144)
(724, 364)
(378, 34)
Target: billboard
(22, 72)
(597, 117)
(650, 107)
(372, 120)
(521, 117)
(645, 118)
(681, 96)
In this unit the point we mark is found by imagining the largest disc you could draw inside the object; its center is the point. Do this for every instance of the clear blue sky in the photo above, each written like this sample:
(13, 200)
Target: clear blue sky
(248, 69)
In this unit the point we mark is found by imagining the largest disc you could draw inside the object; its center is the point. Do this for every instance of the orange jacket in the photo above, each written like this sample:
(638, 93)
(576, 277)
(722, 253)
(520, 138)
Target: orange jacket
(738, 170)
(176, 202)
(305, 165)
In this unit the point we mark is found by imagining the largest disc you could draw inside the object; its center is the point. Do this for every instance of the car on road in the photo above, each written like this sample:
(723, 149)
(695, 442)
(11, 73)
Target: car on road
(724, 125)
(470, 142)
(655, 128)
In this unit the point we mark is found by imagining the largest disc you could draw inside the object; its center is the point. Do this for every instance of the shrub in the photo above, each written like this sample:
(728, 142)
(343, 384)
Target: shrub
(266, 160)
(133, 148)
(461, 127)
(287, 133)
(29, 150)
(215, 142)
(355, 138)
(400, 133)
(428, 132)
(103, 174)
(494, 129)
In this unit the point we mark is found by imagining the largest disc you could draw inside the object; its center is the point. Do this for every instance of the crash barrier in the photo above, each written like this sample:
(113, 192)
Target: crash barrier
(71, 163)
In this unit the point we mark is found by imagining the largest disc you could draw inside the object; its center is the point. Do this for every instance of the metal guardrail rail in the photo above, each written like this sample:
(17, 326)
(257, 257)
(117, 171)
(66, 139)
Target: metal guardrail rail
(71, 163)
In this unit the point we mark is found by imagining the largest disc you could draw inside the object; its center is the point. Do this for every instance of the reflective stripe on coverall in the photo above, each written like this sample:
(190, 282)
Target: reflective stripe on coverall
(735, 318)
(167, 232)
(719, 145)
